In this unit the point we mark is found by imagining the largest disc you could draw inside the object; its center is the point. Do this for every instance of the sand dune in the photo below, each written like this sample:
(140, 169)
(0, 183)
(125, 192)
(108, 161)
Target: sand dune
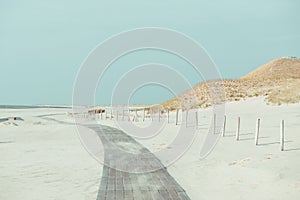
(276, 69)
(277, 81)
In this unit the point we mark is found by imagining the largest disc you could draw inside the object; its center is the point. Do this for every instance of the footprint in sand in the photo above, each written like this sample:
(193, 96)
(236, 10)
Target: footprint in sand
(240, 162)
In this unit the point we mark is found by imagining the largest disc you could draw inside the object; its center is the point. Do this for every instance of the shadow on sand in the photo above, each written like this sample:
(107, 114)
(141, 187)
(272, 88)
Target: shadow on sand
(233, 135)
(7, 142)
(270, 143)
(293, 149)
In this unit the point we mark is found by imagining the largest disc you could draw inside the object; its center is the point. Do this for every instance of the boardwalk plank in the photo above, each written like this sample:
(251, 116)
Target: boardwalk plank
(133, 185)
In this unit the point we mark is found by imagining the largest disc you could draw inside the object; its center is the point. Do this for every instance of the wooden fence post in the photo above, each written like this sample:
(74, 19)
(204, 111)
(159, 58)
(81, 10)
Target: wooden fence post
(257, 131)
(238, 129)
(224, 127)
(186, 117)
(168, 116)
(129, 115)
(151, 113)
(136, 115)
(158, 115)
(177, 110)
(282, 136)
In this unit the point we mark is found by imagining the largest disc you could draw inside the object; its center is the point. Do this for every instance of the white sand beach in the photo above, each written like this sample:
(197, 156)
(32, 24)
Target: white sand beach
(239, 169)
(44, 159)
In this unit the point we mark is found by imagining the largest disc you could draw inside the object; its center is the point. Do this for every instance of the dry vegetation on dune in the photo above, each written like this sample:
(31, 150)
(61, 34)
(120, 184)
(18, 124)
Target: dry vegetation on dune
(287, 92)
(278, 81)
(281, 68)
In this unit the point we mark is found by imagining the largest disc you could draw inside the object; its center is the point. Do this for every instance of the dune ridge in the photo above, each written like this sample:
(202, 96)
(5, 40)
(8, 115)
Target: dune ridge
(277, 81)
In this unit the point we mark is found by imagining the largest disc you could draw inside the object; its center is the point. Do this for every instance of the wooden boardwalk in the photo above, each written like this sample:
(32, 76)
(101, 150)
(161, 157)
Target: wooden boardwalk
(128, 170)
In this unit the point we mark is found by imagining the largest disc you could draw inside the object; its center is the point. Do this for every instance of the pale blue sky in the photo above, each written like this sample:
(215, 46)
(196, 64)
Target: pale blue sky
(43, 43)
